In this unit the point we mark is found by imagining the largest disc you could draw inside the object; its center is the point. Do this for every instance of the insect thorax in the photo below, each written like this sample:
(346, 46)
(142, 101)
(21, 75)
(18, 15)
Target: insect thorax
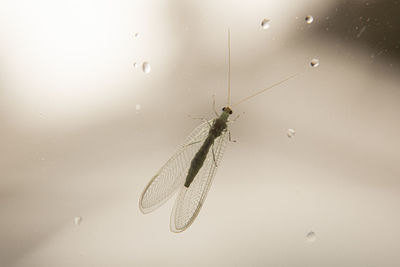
(219, 125)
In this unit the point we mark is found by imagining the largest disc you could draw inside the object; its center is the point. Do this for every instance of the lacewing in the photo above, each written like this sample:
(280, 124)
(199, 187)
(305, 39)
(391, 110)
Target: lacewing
(192, 168)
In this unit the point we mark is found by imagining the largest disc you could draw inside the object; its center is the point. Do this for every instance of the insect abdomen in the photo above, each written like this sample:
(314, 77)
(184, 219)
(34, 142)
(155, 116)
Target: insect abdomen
(198, 160)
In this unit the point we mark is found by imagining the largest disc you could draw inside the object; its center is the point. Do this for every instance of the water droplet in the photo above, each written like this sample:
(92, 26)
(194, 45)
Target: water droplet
(135, 65)
(138, 107)
(314, 63)
(265, 24)
(309, 19)
(311, 237)
(291, 133)
(137, 35)
(77, 220)
(146, 67)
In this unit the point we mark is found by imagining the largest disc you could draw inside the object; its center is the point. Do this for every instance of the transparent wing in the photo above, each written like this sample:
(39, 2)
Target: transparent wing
(190, 200)
(171, 176)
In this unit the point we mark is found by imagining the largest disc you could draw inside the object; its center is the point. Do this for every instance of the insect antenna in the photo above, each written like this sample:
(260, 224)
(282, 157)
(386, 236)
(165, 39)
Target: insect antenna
(229, 67)
(265, 89)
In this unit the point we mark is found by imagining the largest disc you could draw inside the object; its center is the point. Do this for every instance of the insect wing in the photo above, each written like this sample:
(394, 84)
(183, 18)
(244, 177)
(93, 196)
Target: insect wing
(171, 176)
(190, 200)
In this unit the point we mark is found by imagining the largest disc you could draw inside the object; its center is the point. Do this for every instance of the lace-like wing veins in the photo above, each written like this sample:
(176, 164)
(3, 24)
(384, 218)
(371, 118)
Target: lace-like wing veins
(172, 175)
(190, 199)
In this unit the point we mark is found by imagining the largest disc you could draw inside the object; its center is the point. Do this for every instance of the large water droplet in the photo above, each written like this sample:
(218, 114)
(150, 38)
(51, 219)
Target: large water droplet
(309, 19)
(314, 63)
(146, 67)
(137, 35)
(138, 107)
(77, 220)
(311, 237)
(135, 65)
(291, 133)
(265, 24)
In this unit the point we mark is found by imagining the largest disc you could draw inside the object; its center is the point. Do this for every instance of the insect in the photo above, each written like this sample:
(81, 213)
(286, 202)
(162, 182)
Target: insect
(192, 168)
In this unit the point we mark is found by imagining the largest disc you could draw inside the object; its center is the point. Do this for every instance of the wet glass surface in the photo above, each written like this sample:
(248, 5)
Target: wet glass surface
(85, 122)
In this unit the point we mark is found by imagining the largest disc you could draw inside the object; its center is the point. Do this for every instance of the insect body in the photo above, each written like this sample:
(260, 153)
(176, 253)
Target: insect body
(192, 168)
(216, 130)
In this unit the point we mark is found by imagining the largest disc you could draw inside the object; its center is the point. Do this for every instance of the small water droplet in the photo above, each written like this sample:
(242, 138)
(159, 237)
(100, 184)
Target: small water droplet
(146, 67)
(77, 220)
(311, 237)
(314, 63)
(138, 107)
(309, 19)
(291, 133)
(137, 35)
(135, 65)
(265, 24)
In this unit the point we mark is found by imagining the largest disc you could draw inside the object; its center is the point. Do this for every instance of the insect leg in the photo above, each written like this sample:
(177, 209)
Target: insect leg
(195, 118)
(235, 118)
(230, 139)
(192, 143)
(215, 111)
(213, 153)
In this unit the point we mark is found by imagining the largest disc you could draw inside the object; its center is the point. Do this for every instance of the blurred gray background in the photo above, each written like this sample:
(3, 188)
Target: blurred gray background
(82, 131)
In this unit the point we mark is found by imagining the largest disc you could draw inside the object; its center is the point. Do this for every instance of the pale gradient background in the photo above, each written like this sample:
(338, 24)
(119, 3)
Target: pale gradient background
(72, 143)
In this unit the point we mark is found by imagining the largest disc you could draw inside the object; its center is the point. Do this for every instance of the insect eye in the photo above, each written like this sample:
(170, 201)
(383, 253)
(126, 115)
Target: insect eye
(223, 109)
(230, 112)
